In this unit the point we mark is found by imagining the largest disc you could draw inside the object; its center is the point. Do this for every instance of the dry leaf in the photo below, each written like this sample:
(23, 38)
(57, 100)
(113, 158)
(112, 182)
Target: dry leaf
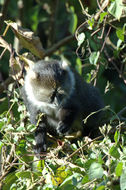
(28, 39)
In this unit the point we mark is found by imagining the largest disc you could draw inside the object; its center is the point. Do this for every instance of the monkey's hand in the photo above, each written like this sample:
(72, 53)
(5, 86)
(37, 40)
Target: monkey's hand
(62, 128)
(40, 139)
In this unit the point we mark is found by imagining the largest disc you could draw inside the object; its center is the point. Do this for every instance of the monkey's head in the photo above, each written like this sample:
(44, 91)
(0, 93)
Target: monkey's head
(51, 81)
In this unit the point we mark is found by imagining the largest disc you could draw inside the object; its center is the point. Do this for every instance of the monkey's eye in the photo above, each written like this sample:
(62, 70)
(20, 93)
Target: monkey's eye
(53, 95)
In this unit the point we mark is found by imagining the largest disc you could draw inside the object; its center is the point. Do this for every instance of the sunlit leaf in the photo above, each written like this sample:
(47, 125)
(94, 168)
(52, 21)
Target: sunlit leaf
(1, 144)
(120, 34)
(116, 8)
(117, 136)
(60, 175)
(95, 171)
(94, 57)
(81, 38)
(114, 152)
(123, 181)
(119, 169)
(102, 15)
(91, 23)
(102, 187)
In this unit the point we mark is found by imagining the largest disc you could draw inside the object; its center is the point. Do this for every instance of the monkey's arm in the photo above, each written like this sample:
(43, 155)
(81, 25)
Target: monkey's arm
(66, 119)
(40, 132)
(40, 137)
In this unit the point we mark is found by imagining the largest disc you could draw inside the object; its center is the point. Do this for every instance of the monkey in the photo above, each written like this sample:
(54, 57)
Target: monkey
(57, 90)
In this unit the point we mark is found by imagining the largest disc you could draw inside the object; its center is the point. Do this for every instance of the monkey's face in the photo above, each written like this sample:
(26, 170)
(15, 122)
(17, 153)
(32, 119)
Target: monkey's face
(49, 86)
(50, 95)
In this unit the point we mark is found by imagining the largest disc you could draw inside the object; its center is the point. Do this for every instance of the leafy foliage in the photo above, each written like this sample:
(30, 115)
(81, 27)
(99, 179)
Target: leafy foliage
(91, 36)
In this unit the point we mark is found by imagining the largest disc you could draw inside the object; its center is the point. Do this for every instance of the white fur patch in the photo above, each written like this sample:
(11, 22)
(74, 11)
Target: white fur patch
(64, 64)
(43, 106)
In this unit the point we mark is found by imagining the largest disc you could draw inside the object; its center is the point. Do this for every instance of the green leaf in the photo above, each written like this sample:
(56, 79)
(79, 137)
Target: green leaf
(120, 34)
(70, 180)
(116, 8)
(2, 123)
(94, 57)
(123, 181)
(119, 42)
(102, 187)
(88, 77)
(40, 165)
(73, 21)
(102, 15)
(91, 23)
(117, 136)
(74, 146)
(114, 152)
(9, 180)
(79, 66)
(81, 38)
(119, 169)
(85, 179)
(24, 174)
(1, 144)
(95, 171)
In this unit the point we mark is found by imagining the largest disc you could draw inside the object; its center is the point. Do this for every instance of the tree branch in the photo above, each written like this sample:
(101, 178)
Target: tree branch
(59, 44)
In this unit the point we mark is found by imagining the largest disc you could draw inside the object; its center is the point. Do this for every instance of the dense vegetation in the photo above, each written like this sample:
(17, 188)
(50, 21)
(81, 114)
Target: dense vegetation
(91, 36)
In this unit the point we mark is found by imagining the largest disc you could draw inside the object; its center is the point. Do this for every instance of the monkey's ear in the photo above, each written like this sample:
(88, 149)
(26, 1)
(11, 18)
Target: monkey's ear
(64, 64)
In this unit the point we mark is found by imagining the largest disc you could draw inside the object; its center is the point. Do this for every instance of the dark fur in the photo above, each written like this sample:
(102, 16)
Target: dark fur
(68, 116)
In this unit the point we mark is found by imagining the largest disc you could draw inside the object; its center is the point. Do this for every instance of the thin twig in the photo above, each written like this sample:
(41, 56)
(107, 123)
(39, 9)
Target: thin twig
(96, 31)
(104, 5)
(103, 29)
(83, 10)
(105, 39)
(79, 149)
(100, 6)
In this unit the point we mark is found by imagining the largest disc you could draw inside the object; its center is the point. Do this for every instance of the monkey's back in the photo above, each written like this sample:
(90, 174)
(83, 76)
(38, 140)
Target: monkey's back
(89, 103)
